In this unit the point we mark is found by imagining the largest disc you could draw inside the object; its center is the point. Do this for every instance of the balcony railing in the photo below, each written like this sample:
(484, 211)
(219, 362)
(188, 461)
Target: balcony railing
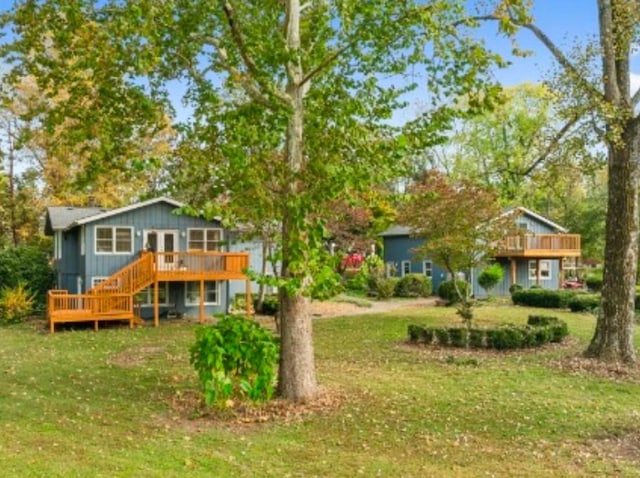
(540, 245)
(177, 265)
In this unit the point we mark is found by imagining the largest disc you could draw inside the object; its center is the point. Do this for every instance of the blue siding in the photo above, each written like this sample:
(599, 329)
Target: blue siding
(400, 248)
(522, 277)
(254, 248)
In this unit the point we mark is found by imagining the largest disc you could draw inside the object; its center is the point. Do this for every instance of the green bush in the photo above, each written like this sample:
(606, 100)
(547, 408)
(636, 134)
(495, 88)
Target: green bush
(584, 302)
(235, 358)
(545, 298)
(16, 304)
(270, 305)
(594, 281)
(415, 333)
(442, 336)
(413, 285)
(28, 265)
(515, 287)
(558, 331)
(505, 338)
(447, 290)
(477, 338)
(491, 277)
(458, 337)
(385, 287)
(541, 320)
(542, 335)
(427, 335)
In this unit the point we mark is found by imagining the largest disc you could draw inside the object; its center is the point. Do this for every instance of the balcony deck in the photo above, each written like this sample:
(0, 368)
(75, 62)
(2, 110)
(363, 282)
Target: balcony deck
(540, 246)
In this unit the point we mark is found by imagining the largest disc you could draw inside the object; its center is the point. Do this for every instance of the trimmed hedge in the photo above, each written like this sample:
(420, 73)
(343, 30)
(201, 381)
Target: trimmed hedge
(447, 291)
(538, 331)
(413, 285)
(545, 298)
(584, 302)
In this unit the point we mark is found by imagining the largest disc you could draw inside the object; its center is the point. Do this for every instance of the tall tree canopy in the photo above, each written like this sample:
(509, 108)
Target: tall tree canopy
(291, 103)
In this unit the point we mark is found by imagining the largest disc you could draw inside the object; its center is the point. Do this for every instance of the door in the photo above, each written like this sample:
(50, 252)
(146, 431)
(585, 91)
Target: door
(164, 242)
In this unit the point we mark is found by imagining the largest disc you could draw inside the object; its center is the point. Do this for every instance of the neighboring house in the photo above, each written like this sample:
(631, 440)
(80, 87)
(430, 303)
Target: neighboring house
(536, 255)
(146, 256)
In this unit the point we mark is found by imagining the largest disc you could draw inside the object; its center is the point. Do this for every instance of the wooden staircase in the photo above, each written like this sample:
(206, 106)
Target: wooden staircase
(113, 298)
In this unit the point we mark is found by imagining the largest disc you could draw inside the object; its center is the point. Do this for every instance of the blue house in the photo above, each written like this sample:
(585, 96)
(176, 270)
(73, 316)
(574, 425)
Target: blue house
(140, 261)
(538, 254)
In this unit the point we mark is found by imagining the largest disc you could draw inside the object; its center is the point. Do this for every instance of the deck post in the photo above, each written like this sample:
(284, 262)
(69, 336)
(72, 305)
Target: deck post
(514, 276)
(537, 271)
(156, 303)
(248, 297)
(560, 272)
(201, 301)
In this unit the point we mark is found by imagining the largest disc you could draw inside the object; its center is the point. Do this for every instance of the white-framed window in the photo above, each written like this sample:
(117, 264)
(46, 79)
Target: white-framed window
(95, 280)
(211, 293)
(145, 296)
(204, 239)
(522, 226)
(427, 268)
(114, 240)
(406, 268)
(545, 270)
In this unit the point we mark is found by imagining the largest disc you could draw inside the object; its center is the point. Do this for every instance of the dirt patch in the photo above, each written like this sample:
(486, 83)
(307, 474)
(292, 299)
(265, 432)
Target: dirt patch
(135, 356)
(578, 365)
(190, 412)
(623, 445)
(337, 309)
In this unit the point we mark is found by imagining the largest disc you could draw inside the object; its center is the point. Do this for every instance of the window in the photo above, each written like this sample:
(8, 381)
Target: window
(406, 268)
(205, 239)
(211, 293)
(522, 226)
(545, 270)
(99, 279)
(427, 268)
(145, 296)
(114, 240)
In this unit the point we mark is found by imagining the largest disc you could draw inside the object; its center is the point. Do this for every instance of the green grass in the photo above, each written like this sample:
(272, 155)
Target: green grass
(80, 403)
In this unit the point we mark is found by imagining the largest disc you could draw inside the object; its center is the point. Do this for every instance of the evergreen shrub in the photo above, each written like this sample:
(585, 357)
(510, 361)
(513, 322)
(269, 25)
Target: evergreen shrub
(413, 285)
(447, 291)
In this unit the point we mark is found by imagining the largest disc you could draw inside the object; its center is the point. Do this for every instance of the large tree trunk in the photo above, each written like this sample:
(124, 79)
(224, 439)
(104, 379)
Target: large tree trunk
(613, 339)
(297, 375)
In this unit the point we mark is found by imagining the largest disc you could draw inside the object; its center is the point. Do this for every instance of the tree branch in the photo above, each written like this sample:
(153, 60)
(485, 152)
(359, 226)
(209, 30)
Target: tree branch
(552, 144)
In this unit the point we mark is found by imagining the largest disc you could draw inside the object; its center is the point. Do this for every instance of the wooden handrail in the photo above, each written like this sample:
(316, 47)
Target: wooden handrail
(527, 242)
(130, 279)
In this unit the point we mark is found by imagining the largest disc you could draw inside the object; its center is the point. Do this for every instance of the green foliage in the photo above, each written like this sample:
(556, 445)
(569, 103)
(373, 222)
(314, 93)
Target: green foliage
(16, 303)
(270, 305)
(546, 298)
(584, 302)
(594, 281)
(515, 287)
(538, 331)
(385, 287)
(447, 291)
(491, 276)
(28, 265)
(413, 285)
(235, 358)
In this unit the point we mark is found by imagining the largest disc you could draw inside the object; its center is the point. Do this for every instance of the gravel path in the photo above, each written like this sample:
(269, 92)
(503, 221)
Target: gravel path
(336, 309)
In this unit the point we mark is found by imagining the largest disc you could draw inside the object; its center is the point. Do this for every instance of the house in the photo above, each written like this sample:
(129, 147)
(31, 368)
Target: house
(537, 254)
(139, 261)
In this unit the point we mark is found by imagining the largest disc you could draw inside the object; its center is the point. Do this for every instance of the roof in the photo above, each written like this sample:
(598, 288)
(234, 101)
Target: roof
(397, 230)
(539, 218)
(62, 218)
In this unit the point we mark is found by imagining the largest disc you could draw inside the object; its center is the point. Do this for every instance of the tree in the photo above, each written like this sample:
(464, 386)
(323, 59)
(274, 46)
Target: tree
(313, 76)
(491, 277)
(609, 95)
(461, 225)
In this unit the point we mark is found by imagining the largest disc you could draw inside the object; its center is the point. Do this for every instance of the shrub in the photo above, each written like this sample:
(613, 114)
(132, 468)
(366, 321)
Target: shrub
(515, 287)
(442, 335)
(583, 302)
(27, 265)
(235, 358)
(427, 335)
(270, 305)
(541, 320)
(447, 291)
(491, 277)
(458, 337)
(545, 298)
(16, 304)
(385, 287)
(477, 338)
(594, 281)
(413, 285)
(542, 335)
(504, 338)
(415, 332)
(558, 331)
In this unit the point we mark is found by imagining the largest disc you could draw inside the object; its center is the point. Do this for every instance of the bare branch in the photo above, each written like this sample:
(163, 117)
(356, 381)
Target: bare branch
(551, 146)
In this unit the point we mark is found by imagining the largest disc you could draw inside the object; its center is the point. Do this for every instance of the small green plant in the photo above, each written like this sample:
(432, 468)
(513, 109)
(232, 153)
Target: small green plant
(235, 358)
(546, 298)
(16, 303)
(385, 287)
(413, 285)
(594, 281)
(477, 338)
(442, 336)
(515, 287)
(447, 291)
(458, 337)
(584, 302)
(491, 277)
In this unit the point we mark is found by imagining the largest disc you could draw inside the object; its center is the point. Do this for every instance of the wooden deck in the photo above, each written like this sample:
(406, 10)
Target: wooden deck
(546, 246)
(112, 299)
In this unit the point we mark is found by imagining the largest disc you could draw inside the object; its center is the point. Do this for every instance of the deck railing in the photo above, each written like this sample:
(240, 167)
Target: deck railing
(201, 263)
(559, 243)
(91, 304)
(131, 278)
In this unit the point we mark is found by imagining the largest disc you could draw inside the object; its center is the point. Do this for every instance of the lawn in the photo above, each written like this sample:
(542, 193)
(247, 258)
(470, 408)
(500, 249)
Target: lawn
(117, 403)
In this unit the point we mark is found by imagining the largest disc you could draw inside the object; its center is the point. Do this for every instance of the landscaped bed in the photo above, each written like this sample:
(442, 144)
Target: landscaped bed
(125, 403)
